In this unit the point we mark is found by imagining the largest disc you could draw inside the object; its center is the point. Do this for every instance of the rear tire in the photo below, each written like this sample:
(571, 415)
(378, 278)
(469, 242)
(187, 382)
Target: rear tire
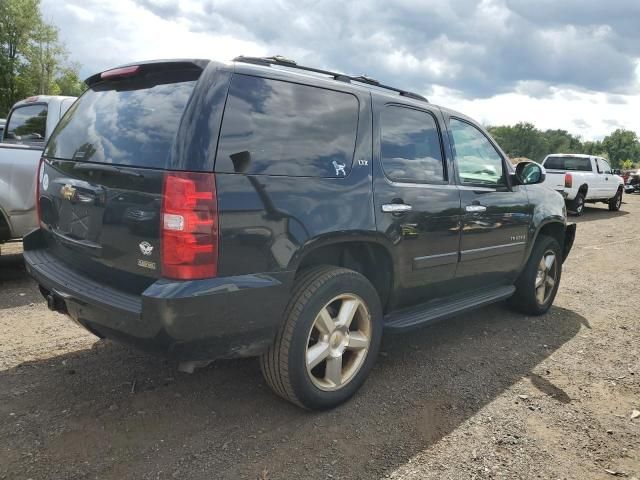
(329, 340)
(616, 202)
(576, 206)
(538, 283)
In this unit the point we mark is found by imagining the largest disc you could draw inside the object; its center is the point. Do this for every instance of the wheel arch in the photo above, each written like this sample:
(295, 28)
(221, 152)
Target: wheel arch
(556, 229)
(584, 188)
(367, 256)
(5, 226)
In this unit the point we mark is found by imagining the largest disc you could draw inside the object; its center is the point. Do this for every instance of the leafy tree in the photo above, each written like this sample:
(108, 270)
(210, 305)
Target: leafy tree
(32, 58)
(68, 82)
(525, 140)
(17, 21)
(521, 140)
(560, 141)
(592, 148)
(627, 165)
(621, 145)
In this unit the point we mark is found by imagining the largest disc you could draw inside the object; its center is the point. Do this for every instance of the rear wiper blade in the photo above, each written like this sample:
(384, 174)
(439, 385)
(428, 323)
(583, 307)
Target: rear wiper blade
(107, 168)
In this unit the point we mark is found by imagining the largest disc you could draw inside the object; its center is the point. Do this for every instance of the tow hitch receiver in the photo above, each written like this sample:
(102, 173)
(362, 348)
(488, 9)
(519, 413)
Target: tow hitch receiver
(55, 303)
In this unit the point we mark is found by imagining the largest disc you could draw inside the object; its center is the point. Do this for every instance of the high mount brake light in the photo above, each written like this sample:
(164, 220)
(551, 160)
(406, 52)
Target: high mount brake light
(568, 180)
(122, 72)
(189, 246)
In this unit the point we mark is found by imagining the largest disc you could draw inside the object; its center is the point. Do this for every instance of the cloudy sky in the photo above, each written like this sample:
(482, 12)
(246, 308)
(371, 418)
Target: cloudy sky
(571, 64)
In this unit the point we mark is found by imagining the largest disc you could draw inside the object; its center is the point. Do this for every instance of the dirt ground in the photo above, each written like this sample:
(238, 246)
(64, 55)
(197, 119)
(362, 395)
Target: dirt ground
(492, 394)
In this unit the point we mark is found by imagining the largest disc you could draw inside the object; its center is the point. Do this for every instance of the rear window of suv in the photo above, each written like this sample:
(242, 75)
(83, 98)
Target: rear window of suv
(131, 122)
(568, 163)
(273, 127)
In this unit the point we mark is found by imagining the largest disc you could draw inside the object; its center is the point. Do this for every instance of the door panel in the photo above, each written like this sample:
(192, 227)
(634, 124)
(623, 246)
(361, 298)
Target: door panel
(610, 186)
(599, 184)
(495, 216)
(493, 241)
(417, 207)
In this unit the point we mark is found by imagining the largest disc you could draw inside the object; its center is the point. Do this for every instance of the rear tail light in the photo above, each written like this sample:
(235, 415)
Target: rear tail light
(38, 183)
(568, 180)
(189, 245)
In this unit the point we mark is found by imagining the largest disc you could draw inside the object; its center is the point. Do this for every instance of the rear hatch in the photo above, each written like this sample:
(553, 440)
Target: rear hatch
(102, 179)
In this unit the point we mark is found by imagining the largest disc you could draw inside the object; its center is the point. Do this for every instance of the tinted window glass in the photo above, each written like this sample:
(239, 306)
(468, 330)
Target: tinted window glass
(478, 161)
(568, 163)
(132, 123)
(280, 128)
(28, 124)
(410, 146)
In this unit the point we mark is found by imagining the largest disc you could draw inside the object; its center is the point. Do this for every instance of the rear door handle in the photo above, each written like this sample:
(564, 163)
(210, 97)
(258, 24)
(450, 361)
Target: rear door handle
(475, 208)
(396, 207)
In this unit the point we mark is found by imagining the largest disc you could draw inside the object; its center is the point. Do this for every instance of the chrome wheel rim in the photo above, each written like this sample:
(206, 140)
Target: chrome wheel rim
(618, 201)
(546, 277)
(580, 205)
(338, 342)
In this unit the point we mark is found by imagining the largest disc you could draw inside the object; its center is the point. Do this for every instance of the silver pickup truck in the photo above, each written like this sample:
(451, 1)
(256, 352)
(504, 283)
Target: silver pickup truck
(27, 129)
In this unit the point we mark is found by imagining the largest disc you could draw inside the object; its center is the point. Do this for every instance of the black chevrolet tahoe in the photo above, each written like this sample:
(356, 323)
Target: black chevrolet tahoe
(205, 210)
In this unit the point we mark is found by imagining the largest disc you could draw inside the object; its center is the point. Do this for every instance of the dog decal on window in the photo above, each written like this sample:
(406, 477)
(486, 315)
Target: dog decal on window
(339, 168)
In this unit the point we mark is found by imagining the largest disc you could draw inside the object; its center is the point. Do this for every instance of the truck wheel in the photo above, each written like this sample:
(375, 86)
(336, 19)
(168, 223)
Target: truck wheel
(615, 202)
(329, 340)
(538, 283)
(577, 205)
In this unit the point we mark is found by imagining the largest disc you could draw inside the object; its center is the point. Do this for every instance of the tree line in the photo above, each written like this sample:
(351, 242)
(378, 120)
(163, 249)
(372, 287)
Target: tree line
(622, 147)
(33, 60)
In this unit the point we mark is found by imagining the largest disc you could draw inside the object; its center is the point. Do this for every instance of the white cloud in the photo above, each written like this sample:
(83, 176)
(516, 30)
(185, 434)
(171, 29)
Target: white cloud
(581, 113)
(495, 60)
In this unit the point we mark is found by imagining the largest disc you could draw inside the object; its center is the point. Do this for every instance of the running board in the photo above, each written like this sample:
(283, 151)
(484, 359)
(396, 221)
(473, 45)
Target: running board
(425, 313)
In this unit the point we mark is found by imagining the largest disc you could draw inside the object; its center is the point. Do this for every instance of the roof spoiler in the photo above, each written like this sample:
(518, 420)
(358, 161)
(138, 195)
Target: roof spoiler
(138, 68)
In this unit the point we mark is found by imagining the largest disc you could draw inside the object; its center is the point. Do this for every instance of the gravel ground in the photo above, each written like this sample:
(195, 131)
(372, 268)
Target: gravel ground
(492, 394)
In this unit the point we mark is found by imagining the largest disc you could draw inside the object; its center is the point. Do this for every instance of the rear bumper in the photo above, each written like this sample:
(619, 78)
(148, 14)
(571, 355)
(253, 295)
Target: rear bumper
(196, 320)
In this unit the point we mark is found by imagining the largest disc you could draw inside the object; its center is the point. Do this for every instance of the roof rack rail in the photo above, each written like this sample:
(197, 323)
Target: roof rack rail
(286, 62)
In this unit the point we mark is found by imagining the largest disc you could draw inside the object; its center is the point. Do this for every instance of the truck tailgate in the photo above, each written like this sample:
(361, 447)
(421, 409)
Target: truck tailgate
(555, 180)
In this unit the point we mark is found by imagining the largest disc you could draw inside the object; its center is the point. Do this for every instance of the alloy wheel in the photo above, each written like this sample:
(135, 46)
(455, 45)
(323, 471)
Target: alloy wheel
(338, 342)
(546, 277)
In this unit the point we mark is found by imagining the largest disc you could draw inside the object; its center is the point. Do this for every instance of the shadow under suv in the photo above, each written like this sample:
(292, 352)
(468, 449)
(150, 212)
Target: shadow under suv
(204, 210)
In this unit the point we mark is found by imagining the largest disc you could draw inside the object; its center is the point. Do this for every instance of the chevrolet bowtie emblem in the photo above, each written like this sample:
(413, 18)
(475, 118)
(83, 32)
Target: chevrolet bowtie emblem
(68, 192)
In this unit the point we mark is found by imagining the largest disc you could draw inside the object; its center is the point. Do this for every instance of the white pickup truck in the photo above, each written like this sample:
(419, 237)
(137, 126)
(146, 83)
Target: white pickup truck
(583, 179)
(27, 129)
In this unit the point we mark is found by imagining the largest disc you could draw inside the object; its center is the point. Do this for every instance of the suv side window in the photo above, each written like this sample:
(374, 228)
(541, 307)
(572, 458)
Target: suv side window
(27, 124)
(479, 163)
(410, 146)
(272, 127)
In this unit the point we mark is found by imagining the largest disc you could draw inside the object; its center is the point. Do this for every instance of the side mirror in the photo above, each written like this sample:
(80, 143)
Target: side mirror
(530, 173)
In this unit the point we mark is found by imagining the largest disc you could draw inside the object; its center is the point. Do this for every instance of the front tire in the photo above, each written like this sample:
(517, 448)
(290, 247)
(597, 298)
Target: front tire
(616, 202)
(538, 283)
(329, 340)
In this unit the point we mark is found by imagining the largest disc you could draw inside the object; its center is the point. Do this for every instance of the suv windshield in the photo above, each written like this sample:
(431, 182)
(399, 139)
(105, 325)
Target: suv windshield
(568, 163)
(129, 122)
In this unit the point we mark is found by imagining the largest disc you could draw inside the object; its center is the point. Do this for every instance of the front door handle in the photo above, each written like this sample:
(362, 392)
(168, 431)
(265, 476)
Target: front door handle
(475, 208)
(396, 207)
